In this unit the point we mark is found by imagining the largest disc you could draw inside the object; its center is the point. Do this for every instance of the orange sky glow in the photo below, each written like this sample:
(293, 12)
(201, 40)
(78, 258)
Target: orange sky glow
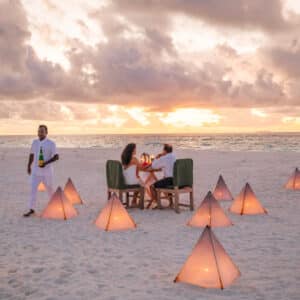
(96, 67)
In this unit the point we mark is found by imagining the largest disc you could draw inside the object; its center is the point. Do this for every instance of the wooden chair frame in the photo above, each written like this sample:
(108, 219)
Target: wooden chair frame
(175, 193)
(116, 184)
(182, 175)
(129, 193)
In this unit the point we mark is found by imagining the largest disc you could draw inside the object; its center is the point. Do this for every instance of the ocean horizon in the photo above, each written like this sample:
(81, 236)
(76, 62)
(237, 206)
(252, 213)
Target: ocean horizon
(264, 142)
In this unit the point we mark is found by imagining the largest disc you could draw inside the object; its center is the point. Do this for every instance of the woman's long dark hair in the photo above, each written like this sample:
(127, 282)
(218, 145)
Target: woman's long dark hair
(127, 154)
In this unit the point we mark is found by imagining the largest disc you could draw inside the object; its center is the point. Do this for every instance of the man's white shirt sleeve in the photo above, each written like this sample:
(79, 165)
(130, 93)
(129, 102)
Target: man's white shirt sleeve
(158, 163)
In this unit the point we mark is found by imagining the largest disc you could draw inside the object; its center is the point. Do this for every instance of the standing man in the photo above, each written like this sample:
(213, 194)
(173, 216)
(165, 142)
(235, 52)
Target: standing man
(164, 161)
(42, 155)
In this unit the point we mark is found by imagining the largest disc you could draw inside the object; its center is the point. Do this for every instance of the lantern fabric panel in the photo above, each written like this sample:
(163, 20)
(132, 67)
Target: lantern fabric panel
(41, 187)
(114, 216)
(294, 181)
(246, 203)
(221, 191)
(208, 265)
(71, 193)
(209, 213)
(59, 207)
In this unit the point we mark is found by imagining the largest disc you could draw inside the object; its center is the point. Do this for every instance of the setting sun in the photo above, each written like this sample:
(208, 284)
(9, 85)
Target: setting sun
(190, 117)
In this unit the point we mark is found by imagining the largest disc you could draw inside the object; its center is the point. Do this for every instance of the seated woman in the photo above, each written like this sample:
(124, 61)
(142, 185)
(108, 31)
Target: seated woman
(131, 167)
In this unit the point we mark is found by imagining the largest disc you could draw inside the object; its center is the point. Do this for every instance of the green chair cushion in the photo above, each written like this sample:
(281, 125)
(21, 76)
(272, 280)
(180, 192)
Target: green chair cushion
(114, 175)
(115, 178)
(183, 172)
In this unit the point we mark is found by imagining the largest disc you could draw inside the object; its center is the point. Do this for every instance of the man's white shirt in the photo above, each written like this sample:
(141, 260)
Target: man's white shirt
(166, 163)
(49, 150)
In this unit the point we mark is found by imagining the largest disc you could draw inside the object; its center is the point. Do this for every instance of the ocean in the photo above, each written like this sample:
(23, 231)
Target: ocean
(221, 142)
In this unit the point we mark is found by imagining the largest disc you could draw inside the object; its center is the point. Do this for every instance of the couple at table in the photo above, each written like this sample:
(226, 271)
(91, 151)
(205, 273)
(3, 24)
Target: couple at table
(164, 162)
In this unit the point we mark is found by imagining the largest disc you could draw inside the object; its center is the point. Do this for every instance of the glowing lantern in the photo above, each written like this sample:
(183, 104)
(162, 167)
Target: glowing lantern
(209, 265)
(41, 187)
(209, 213)
(71, 193)
(114, 216)
(59, 207)
(221, 191)
(246, 203)
(294, 181)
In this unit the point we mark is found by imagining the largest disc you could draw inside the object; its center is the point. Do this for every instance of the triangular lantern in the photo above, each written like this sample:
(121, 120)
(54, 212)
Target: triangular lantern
(59, 207)
(71, 193)
(208, 265)
(246, 203)
(294, 181)
(114, 216)
(222, 192)
(209, 213)
(41, 187)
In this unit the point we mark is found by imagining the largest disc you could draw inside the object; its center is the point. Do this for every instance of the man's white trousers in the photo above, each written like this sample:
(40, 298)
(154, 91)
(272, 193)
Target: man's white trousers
(35, 181)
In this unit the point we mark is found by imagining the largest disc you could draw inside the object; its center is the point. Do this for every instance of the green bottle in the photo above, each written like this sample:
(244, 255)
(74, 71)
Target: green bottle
(41, 158)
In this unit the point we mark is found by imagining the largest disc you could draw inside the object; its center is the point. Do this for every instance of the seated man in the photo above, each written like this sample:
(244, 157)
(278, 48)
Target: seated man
(164, 161)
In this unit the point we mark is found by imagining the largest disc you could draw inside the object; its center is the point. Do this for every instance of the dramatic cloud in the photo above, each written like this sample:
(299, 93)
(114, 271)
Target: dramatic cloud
(256, 14)
(148, 57)
(13, 36)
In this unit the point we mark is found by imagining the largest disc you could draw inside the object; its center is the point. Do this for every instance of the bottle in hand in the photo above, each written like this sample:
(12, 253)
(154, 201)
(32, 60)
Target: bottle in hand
(41, 158)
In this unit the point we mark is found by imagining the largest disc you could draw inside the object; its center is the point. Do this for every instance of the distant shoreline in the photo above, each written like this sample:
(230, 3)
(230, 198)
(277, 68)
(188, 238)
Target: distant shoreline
(167, 134)
(258, 142)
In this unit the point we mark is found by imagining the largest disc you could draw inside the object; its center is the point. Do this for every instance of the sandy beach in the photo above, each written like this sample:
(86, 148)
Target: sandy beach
(50, 259)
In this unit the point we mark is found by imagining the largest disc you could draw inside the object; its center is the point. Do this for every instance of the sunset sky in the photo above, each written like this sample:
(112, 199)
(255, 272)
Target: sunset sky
(149, 66)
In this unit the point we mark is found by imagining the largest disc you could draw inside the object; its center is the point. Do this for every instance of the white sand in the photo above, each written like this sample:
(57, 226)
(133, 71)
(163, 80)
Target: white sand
(49, 259)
